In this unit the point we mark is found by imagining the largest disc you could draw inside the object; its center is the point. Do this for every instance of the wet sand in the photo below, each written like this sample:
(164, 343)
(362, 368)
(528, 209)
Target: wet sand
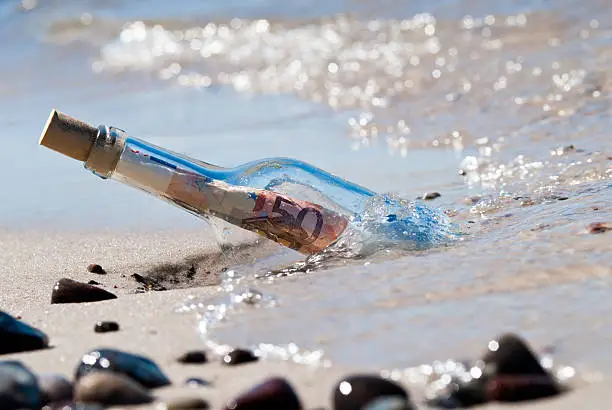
(32, 262)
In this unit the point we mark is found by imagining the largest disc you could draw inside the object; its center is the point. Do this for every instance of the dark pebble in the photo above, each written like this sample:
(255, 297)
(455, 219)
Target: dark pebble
(71, 291)
(110, 389)
(95, 268)
(520, 388)
(93, 282)
(73, 406)
(511, 372)
(193, 357)
(599, 227)
(139, 368)
(55, 388)
(186, 403)
(356, 391)
(196, 382)
(388, 403)
(17, 336)
(510, 355)
(103, 327)
(272, 394)
(239, 356)
(18, 387)
(428, 196)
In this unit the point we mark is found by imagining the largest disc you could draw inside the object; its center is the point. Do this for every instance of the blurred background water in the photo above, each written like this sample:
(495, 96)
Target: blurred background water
(502, 107)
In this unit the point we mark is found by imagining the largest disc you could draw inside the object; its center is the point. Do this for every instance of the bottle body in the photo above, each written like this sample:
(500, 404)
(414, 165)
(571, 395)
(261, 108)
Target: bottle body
(246, 196)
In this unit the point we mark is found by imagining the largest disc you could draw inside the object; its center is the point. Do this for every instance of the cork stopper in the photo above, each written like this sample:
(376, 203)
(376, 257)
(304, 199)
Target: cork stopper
(68, 136)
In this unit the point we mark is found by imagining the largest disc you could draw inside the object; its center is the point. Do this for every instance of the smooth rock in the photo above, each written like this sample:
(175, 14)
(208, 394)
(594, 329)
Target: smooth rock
(73, 406)
(239, 356)
(104, 327)
(17, 336)
(511, 372)
(428, 196)
(388, 403)
(193, 357)
(95, 268)
(110, 389)
(272, 394)
(521, 388)
(508, 354)
(356, 391)
(71, 291)
(196, 382)
(186, 403)
(139, 368)
(18, 387)
(55, 388)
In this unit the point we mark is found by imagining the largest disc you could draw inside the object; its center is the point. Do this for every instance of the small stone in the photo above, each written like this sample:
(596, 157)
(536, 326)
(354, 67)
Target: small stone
(239, 356)
(196, 382)
(185, 403)
(93, 282)
(95, 268)
(510, 372)
(193, 357)
(521, 388)
(510, 355)
(356, 391)
(139, 368)
(599, 227)
(55, 388)
(272, 394)
(104, 327)
(110, 389)
(18, 387)
(71, 291)
(428, 196)
(17, 336)
(388, 403)
(73, 406)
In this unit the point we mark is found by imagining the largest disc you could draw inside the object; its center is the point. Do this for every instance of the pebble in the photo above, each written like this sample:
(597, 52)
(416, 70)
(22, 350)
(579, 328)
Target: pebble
(73, 406)
(356, 391)
(93, 282)
(599, 227)
(139, 368)
(18, 387)
(428, 196)
(388, 403)
(239, 356)
(17, 336)
(193, 357)
(95, 268)
(108, 388)
(71, 291)
(272, 394)
(103, 327)
(196, 382)
(55, 388)
(510, 372)
(186, 403)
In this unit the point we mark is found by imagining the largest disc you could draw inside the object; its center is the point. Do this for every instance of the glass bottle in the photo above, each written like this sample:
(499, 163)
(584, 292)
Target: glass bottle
(289, 201)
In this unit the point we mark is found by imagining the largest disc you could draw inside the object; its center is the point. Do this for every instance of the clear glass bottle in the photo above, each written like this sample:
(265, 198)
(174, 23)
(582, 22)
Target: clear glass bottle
(291, 202)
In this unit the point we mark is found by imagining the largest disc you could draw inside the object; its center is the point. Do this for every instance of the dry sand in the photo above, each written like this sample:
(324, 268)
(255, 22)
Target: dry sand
(31, 262)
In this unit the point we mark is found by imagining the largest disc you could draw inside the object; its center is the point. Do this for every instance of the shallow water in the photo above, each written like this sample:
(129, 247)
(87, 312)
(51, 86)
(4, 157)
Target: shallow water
(502, 107)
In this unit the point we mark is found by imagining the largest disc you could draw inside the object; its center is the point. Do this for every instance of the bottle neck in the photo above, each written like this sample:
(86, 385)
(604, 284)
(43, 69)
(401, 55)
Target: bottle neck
(106, 151)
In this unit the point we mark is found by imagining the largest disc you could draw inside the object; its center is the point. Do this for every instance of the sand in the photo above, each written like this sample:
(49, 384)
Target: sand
(31, 262)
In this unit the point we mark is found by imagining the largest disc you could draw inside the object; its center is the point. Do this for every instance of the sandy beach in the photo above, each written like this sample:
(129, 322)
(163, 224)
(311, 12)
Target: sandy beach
(498, 112)
(32, 262)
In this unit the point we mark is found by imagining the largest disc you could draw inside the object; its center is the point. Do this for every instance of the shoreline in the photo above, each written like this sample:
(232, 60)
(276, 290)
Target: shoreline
(148, 323)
